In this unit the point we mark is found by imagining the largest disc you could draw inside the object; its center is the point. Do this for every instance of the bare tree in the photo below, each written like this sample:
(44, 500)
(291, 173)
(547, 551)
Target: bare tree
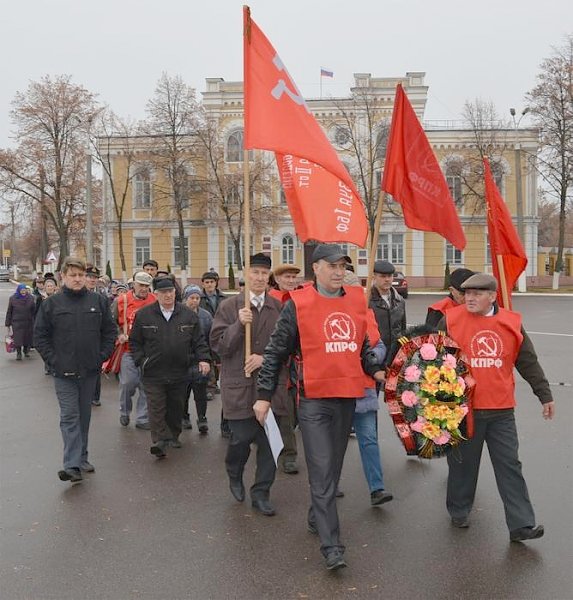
(551, 104)
(223, 187)
(111, 133)
(48, 165)
(173, 119)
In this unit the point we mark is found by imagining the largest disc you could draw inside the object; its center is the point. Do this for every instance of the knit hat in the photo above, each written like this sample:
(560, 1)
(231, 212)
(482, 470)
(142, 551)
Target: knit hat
(192, 289)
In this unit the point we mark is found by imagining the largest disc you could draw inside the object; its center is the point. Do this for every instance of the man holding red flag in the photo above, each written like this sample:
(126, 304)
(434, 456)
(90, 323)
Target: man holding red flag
(507, 254)
(413, 177)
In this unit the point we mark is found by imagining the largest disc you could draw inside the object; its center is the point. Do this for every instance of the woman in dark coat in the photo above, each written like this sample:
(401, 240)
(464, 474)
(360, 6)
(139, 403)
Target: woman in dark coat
(20, 317)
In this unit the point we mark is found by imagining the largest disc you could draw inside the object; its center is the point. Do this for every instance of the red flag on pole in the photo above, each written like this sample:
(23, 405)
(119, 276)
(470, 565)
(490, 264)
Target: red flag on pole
(508, 257)
(413, 177)
(321, 195)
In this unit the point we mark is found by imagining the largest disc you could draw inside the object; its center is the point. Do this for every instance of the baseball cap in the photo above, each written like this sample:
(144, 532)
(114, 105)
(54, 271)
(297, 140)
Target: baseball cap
(330, 253)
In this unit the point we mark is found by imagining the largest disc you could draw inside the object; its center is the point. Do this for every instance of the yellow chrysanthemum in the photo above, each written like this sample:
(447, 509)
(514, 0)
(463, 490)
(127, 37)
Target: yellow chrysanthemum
(448, 373)
(430, 430)
(432, 374)
(429, 388)
(445, 387)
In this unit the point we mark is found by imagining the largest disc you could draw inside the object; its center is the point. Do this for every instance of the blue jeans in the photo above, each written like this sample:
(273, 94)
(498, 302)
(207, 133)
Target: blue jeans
(366, 428)
(75, 397)
(129, 382)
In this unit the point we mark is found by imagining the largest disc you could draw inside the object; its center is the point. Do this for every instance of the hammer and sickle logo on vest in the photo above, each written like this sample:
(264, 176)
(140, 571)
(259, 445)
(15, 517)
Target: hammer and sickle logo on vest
(339, 327)
(282, 88)
(487, 344)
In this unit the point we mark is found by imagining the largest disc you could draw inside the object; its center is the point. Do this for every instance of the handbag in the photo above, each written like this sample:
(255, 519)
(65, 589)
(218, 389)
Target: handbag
(9, 341)
(113, 363)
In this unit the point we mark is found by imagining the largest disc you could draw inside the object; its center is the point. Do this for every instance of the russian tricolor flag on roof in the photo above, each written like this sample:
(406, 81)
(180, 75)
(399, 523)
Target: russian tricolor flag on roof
(326, 73)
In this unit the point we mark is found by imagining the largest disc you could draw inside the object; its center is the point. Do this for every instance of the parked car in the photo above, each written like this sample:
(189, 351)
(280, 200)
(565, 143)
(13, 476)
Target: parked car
(400, 284)
(4, 274)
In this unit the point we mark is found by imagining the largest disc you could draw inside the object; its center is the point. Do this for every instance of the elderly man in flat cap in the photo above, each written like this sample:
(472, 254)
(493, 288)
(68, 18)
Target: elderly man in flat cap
(456, 297)
(495, 342)
(388, 306)
(239, 380)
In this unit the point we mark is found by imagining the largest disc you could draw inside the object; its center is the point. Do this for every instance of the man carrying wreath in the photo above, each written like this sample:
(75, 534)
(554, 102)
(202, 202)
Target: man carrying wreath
(494, 341)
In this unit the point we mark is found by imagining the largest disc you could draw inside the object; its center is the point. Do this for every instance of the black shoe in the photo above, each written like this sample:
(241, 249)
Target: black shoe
(124, 420)
(264, 507)
(380, 497)
(72, 475)
(96, 403)
(18, 357)
(202, 425)
(290, 468)
(158, 449)
(87, 467)
(186, 424)
(335, 560)
(175, 443)
(526, 533)
(144, 426)
(339, 493)
(311, 527)
(237, 489)
(460, 522)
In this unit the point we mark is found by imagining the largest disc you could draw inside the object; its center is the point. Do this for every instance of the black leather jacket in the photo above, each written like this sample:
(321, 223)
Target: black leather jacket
(74, 332)
(391, 319)
(285, 342)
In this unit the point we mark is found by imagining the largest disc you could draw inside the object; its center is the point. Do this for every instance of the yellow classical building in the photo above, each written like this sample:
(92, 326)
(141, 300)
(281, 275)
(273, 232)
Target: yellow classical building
(211, 212)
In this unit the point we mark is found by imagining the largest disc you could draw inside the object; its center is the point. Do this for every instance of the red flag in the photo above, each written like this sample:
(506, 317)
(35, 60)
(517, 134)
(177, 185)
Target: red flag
(504, 241)
(321, 195)
(414, 178)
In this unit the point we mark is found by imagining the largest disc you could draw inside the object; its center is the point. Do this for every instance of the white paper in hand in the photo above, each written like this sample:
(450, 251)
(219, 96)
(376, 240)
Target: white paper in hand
(274, 435)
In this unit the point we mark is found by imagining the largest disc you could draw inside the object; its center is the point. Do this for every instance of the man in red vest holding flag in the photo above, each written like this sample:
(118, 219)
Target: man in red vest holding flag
(495, 342)
(324, 328)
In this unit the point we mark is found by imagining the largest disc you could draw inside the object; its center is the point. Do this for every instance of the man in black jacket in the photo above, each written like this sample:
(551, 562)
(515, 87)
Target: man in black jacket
(74, 334)
(166, 341)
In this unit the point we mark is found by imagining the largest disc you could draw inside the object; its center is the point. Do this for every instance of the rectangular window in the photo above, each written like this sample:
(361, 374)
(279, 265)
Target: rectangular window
(176, 249)
(142, 250)
(142, 190)
(453, 255)
(455, 187)
(391, 248)
(232, 255)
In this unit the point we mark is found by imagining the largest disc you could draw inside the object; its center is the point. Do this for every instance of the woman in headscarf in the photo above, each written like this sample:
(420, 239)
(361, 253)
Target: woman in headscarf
(20, 319)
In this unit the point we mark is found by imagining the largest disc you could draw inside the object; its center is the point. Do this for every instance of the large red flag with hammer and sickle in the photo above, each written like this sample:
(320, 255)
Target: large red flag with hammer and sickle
(414, 178)
(321, 196)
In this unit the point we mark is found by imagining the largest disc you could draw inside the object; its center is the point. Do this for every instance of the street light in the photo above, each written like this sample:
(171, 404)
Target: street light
(522, 282)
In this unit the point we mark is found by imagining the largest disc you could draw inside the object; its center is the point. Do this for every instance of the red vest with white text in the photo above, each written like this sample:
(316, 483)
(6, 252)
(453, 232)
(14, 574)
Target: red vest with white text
(332, 332)
(133, 305)
(491, 345)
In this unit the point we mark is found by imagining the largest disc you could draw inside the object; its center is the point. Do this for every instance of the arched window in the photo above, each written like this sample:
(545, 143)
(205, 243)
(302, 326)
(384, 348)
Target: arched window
(235, 147)
(498, 172)
(287, 245)
(454, 179)
(142, 189)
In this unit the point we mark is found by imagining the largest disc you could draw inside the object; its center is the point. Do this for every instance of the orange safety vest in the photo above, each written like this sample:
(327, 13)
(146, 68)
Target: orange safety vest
(131, 307)
(491, 345)
(281, 296)
(332, 332)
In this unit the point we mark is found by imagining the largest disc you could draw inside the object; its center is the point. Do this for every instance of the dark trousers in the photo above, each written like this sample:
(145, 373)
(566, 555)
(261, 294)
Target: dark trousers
(497, 429)
(165, 408)
(286, 427)
(75, 399)
(245, 432)
(325, 426)
(199, 389)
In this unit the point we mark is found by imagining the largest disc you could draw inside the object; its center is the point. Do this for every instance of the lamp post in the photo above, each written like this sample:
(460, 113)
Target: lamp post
(522, 282)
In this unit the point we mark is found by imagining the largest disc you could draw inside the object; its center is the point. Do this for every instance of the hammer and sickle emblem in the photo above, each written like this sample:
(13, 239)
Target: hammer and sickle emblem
(340, 329)
(487, 346)
(282, 88)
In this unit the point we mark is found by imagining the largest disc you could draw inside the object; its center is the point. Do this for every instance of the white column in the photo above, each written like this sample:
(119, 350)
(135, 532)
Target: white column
(417, 268)
(213, 249)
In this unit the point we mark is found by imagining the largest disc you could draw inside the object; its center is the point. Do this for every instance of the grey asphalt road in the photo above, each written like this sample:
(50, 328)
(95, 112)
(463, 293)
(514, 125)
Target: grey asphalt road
(139, 528)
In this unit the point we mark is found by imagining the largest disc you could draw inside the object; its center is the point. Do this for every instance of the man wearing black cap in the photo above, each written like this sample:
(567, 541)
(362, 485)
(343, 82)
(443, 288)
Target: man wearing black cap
(239, 378)
(165, 342)
(388, 306)
(495, 342)
(456, 296)
(212, 295)
(151, 267)
(324, 328)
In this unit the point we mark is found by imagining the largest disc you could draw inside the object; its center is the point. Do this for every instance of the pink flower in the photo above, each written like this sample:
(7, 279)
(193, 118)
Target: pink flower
(462, 383)
(450, 361)
(418, 424)
(412, 374)
(428, 351)
(443, 438)
(409, 398)
(465, 409)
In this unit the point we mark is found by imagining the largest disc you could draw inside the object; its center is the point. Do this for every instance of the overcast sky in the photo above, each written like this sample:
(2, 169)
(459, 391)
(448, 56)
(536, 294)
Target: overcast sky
(119, 48)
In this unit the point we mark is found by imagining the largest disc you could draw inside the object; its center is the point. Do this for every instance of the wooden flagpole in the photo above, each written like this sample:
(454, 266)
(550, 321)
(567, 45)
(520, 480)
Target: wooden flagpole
(374, 243)
(502, 281)
(247, 244)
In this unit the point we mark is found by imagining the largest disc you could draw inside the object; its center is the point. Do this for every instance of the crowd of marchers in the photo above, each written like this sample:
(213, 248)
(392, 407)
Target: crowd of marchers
(171, 345)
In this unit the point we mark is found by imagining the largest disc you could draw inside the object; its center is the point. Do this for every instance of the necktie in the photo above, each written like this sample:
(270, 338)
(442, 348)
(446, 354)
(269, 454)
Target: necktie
(258, 303)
